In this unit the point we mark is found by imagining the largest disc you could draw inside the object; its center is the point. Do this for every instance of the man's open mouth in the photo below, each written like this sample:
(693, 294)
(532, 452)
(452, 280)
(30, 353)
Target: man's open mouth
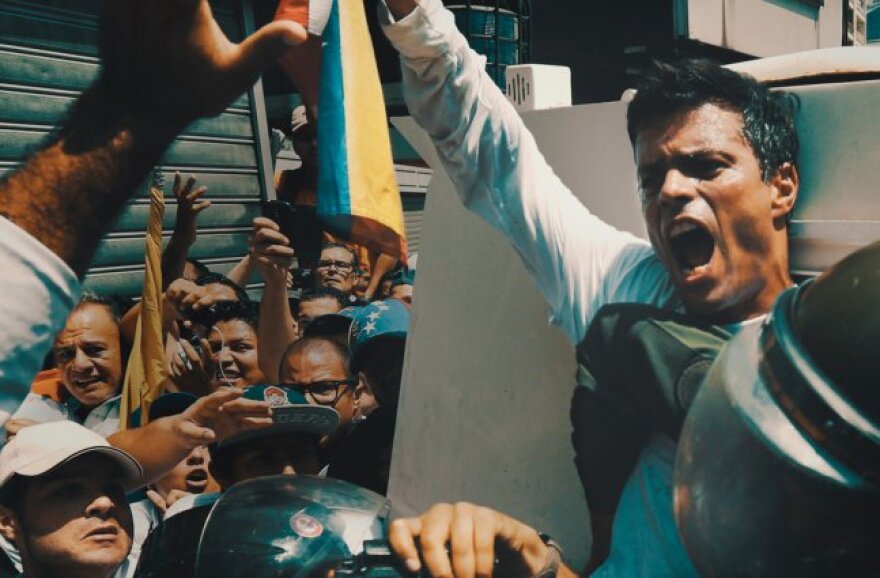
(85, 382)
(197, 481)
(691, 245)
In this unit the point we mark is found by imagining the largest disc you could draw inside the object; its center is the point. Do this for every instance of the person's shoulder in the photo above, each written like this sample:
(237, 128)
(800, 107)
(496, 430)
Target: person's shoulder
(638, 276)
(41, 408)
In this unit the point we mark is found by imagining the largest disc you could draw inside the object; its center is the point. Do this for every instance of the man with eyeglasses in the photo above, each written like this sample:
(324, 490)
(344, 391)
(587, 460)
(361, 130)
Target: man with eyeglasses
(319, 368)
(337, 268)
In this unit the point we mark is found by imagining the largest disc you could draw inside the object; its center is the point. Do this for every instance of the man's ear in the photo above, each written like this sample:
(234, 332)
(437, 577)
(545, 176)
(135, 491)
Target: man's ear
(363, 387)
(784, 185)
(8, 524)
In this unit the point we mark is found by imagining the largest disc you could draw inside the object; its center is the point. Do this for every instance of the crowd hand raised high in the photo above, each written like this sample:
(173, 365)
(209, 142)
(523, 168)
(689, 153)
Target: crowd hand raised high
(221, 415)
(271, 251)
(169, 61)
(189, 204)
(464, 541)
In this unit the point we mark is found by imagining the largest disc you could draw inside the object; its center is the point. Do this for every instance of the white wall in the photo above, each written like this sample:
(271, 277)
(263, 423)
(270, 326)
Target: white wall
(766, 27)
(487, 384)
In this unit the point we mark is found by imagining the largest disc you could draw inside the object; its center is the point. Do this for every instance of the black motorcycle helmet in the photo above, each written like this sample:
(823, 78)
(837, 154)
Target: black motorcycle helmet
(288, 526)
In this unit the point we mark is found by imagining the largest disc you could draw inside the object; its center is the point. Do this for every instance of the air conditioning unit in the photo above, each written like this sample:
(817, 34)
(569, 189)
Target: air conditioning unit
(538, 86)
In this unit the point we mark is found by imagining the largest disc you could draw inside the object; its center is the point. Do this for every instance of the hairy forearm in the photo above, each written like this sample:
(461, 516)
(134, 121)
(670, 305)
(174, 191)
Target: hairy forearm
(276, 329)
(81, 181)
(383, 264)
(158, 446)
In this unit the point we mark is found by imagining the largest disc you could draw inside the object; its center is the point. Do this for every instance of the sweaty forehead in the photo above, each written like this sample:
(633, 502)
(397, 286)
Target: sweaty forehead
(231, 330)
(92, 322)
(316, 362)
(337, 254)
(706, 128)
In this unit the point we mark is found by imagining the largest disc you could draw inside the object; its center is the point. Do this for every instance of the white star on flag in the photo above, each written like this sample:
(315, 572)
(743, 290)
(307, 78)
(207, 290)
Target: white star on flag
(374, 316)
(370, 327)
(381, 306)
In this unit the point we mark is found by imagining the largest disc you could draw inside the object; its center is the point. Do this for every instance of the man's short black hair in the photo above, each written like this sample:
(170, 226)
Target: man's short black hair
(12, 493)
(316, 293)
(667, 89)
(212, 277)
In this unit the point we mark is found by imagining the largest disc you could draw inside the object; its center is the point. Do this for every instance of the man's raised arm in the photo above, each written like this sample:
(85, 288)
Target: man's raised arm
(165, 64)
(497, 169)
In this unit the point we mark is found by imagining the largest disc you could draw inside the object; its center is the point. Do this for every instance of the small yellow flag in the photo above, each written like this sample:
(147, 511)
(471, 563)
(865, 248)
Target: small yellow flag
(146, 364)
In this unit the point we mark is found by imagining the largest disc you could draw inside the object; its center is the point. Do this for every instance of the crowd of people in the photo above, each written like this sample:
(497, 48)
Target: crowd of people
(311, 386)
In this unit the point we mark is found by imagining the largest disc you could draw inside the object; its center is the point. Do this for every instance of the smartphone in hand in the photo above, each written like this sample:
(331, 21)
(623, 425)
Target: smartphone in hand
(282, 213)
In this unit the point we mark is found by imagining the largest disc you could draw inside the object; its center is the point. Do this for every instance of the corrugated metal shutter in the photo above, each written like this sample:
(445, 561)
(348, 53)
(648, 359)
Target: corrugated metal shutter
(48, 55)
(413, 182)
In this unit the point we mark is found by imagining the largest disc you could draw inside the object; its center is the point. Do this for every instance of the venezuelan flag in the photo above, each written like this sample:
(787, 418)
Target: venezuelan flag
(337, 76)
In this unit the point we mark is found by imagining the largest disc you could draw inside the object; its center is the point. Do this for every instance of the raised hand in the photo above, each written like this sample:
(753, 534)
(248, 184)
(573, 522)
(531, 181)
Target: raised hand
(168, 60)
(271, 251)
(189, 204)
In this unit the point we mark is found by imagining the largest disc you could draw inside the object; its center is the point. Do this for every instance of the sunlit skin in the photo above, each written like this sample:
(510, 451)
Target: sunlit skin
(319, 362)
(333, 277)
(313, 308)
(697, 168)
(72, 522)
(88, 355)
(234, 354)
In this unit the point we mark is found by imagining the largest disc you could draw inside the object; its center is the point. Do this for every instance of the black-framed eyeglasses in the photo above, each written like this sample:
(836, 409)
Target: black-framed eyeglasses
(338, 265)
(325, 392)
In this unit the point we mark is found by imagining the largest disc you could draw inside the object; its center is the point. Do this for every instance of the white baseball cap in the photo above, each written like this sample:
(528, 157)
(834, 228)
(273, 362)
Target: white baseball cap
(39, 449)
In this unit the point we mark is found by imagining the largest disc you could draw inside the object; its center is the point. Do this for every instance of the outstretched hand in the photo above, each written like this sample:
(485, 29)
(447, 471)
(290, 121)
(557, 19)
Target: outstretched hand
(169, 61)
(464, 541)
(221, 415)
(189, 204)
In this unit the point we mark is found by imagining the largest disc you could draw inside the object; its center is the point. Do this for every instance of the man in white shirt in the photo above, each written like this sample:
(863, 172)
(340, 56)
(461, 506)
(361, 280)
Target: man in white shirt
(715, 154)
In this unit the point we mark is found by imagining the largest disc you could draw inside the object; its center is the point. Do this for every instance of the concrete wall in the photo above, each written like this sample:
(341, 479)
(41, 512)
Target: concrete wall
(487, 384)
(766, 27)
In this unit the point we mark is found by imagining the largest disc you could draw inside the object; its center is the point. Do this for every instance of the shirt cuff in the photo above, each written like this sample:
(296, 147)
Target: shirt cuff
(428, 31)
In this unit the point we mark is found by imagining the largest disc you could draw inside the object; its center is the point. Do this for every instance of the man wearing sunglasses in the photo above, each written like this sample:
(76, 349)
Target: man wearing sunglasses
(319, 368)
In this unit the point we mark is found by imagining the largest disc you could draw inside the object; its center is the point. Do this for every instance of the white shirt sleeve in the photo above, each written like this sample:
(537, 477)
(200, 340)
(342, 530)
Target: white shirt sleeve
(575, 259)
(37, 292)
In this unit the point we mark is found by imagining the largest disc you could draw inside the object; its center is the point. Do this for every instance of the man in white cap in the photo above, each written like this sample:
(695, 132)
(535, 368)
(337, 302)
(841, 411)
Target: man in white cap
(62, 502)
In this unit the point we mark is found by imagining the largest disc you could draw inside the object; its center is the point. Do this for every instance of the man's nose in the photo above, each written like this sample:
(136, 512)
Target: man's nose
(81, 360)
(100, 507)
(677, 187)
(198, 456)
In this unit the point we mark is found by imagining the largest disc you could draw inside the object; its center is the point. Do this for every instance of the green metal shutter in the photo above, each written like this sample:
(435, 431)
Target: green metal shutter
(48, 55)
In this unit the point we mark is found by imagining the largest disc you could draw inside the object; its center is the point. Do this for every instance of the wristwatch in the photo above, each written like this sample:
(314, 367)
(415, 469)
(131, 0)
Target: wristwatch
(554, 558)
